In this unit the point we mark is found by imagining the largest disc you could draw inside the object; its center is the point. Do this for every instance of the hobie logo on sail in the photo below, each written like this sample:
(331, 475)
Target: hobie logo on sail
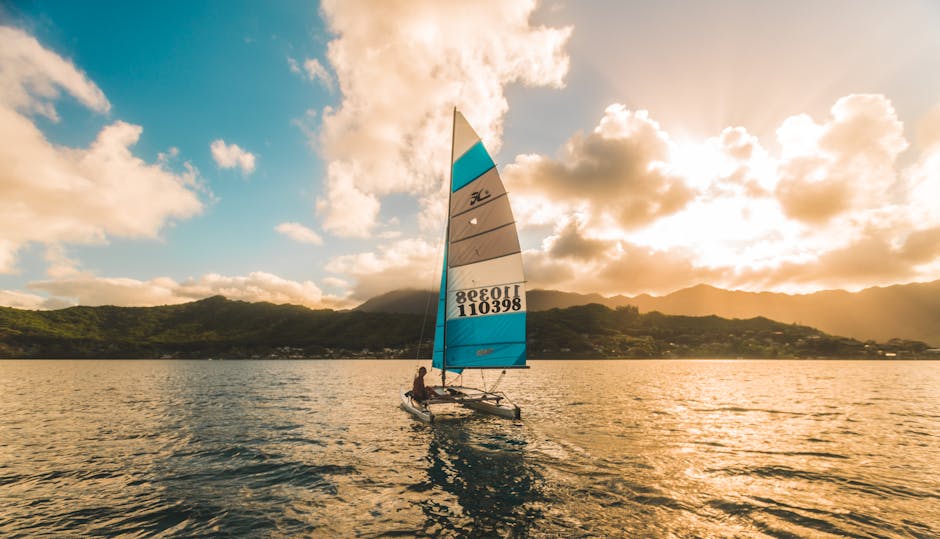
(479, 196)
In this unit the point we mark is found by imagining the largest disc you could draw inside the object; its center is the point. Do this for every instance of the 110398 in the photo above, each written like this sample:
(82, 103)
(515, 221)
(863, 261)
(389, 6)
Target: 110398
(489, 300)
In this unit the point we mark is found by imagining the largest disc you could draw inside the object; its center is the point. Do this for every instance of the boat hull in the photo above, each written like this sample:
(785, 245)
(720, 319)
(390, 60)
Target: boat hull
(501, 410)
(420, 411)
(473, 399)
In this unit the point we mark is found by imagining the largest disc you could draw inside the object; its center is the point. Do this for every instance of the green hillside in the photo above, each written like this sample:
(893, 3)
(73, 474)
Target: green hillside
(908, 311)
(217, 327)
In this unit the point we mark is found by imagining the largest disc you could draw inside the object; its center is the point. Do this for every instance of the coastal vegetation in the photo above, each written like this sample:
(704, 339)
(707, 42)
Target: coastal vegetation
(220, 328)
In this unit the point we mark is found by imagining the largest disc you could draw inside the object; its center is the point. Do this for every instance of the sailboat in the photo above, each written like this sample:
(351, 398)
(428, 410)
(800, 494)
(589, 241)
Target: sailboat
(481, 312)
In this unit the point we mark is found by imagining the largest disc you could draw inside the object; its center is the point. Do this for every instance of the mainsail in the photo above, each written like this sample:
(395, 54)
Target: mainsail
(481, 308)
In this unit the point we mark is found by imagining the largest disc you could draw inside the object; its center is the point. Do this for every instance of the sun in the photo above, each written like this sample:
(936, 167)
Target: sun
(733, 221)
(699, 162)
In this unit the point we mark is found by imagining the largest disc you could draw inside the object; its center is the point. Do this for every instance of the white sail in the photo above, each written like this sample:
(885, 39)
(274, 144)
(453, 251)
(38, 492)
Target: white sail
(481, 319)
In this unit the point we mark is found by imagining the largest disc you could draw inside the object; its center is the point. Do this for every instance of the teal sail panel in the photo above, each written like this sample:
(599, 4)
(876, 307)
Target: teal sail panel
(486, 341)
(481, 319)
(437, 357)
(471, 165)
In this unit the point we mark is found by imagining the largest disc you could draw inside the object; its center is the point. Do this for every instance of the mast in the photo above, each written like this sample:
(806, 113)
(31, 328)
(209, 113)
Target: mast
(450, 195)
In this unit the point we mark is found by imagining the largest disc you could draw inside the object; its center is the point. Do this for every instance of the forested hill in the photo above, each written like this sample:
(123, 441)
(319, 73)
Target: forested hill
(908, 311)
(217, 327)
(205, 328)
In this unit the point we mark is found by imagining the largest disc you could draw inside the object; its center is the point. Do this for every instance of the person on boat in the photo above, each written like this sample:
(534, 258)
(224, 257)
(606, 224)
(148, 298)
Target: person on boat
(418, 390)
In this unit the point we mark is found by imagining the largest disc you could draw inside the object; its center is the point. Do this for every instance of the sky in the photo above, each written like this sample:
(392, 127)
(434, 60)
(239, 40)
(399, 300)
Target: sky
(296, 152)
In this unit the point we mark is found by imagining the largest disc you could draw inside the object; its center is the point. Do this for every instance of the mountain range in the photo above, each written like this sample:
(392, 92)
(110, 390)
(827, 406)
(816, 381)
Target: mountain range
(220, 328)
(907, 311)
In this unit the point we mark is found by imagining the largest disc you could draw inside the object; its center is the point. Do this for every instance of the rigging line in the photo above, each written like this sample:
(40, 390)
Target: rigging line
(498, 380)
(424, 321)
(427, 304)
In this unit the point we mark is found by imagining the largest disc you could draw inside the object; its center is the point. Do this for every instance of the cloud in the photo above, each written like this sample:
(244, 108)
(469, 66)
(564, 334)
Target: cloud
(617, 173)
(921, 246)
(313, 70)
(631, 209)
(308, 126)
(52, 194)
(90, 290)
(21, 300)
(568, 242)
(257, 286)
(316, 72)
(335, 282)
(58, 263)
(299, 232)
(232, 156)
(31, 77)
(401, 67)
(352, 211)
(86, 289)
(627, 208)
(843, 165)
(571, 259)
(57, 195)
(8, 250)
(407, 263)
(928, 130)
(921, 183)
(874, 258)
(165, 158)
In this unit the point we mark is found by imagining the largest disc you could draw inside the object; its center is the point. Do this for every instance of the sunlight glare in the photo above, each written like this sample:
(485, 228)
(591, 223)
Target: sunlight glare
(700, 163)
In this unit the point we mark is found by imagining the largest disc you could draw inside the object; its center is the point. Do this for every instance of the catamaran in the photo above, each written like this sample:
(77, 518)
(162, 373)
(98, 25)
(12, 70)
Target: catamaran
(481, 320)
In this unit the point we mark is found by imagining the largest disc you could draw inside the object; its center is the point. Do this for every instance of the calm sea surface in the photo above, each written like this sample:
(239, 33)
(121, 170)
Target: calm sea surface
(604, 449)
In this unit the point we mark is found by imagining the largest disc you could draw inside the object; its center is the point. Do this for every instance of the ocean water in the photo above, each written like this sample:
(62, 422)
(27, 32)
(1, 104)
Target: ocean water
(604, 449)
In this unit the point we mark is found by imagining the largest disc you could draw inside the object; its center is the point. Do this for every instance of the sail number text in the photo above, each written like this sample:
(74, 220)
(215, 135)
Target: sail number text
(498, 299)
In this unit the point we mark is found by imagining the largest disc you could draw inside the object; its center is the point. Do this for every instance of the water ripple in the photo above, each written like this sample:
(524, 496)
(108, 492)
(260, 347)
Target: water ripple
(319, 449)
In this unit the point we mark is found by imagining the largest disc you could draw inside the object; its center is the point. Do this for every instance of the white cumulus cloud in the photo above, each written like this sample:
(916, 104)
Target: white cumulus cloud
(58, 195)
(87, 289)
(299, 232)
(401, 67)
(21, 300)
(232, 156)
(406, 263)
(844, 164)
(31, 77)
(619, 170)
